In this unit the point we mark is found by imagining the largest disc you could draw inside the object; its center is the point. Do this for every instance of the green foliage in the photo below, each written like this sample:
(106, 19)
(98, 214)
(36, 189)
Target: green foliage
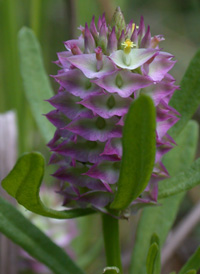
(16, 227)
(151, 258)
(36, 82)
(23, 183)
(192, 264)
(153, 265)
(138, 158)
(160, 219)
(192, 271)
(181, 182)
(187, 99)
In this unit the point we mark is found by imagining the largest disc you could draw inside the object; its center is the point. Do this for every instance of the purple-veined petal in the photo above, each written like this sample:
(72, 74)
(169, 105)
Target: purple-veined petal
(162, 105)
(133, 60)
(57, 118)
(107, 172)
(161, 150)
(160, 170)
(156, 40)
(59, 160)
(93, 28)
(159, 91)
(73, 175)
(113, 147)
(141, 30)
(164, 126)
(96, 129)
(66, 105)
(123, 82)
(134, 36)
(87, 63)
(103, 39)
(84, 151)
(158, 68)
(112, 42)
(89, 42)
(106, 105)
(61, 134)
(75, 82)
(78, 42)
(97, 198)
(146, 40)
(62, 59)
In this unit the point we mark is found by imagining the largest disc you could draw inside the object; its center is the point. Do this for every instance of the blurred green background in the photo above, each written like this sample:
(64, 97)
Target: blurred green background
(55, 22)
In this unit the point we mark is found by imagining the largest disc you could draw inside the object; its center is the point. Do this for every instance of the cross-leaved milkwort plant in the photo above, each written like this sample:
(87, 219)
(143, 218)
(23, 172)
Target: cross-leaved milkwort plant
(123, 141)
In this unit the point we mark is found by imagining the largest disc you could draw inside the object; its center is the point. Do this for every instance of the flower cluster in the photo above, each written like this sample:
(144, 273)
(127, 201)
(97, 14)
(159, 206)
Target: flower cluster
(101, 73)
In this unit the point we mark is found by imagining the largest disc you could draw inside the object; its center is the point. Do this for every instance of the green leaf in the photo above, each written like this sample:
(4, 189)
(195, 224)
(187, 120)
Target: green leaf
(23, 183)
(138, 151)
(153, 265)
(160, 219)
(192, 264)
(151, 258)
(187, 99)
(155, 239)
(181, 182)
(16, 227)
(192, 271)
(36, 82)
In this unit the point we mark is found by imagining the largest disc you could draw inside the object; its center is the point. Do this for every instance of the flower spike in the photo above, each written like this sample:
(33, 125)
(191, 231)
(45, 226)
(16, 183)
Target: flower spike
(102, 73)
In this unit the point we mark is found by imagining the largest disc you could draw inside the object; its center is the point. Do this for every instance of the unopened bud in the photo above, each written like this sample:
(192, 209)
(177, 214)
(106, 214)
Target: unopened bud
(118, 21)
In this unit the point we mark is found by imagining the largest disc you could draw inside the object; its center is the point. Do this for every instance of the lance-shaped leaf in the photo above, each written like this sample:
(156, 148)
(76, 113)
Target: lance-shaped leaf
(20, 230)
(151, 258)
(23, 183)
(192, 264)
(36, 83)
(138, 151)
(181, 182)
(187, 99)
(153, 265)
(160, 219)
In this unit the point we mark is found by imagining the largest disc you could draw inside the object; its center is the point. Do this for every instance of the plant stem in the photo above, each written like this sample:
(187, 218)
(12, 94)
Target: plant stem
(36, 6)
(111, 242)
(10, 70)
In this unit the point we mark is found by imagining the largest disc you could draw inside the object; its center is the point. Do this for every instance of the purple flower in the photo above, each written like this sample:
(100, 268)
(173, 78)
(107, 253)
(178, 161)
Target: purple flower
(101, 73)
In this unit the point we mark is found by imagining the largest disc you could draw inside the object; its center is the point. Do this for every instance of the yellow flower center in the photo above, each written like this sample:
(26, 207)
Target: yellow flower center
(128, 45)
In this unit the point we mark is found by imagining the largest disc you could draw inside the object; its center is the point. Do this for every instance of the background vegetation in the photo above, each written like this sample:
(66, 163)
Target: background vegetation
(56, 21)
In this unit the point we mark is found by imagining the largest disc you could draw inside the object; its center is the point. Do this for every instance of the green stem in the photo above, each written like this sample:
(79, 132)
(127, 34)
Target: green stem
(9, 24)
(111, 242)
(36, 7)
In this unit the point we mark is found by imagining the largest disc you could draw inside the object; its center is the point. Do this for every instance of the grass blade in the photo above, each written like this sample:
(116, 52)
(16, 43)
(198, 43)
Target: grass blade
(192, 264)
(187, 99)
(36, 83)
(160, 219)
(17, 228)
